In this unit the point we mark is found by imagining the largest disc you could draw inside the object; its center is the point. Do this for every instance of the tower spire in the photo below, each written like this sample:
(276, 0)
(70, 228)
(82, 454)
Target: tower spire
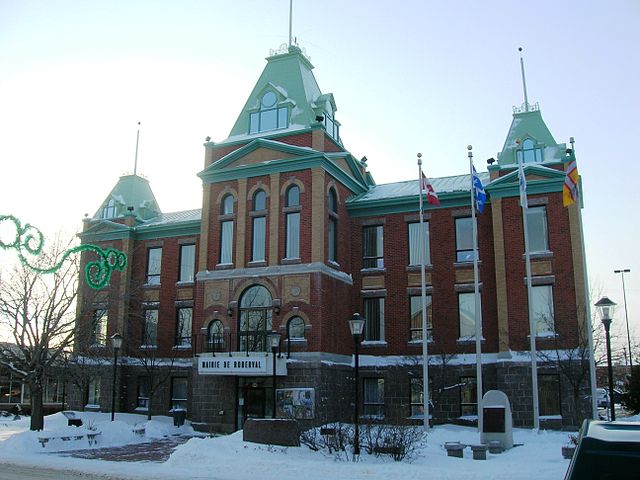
(524, 82)
(135, 164)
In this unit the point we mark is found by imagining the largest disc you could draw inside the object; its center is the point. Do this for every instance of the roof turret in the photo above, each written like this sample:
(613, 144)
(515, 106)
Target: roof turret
(132, 195)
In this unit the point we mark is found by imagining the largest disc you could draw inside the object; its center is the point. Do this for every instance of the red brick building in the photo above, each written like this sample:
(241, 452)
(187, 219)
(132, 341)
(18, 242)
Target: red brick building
(294, 236)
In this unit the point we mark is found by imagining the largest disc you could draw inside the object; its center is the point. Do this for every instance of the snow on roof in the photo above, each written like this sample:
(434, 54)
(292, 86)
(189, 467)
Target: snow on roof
(175, 217)
(457, 183)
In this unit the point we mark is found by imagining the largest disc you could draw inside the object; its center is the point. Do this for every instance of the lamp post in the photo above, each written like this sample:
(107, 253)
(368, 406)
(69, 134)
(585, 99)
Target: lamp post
(356, 325)
(605, 307)
(626, 314)
(274, 342)
(116, 343)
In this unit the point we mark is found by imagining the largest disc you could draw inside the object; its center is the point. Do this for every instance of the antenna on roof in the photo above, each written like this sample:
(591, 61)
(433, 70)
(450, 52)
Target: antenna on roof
(135, 164)
(290, 20)
(524, 82)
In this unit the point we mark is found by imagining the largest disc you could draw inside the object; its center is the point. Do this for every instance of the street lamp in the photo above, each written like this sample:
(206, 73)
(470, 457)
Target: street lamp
(626, 314)
(274, 341)
(605, 307)
(116, 343)
(356, 325)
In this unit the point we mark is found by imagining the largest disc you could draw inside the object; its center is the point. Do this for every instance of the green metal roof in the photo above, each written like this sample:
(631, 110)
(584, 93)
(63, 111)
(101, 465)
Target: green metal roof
(288, 75)
(131, 191)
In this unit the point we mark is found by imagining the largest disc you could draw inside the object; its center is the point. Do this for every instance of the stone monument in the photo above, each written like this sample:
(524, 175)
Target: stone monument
(497, 422)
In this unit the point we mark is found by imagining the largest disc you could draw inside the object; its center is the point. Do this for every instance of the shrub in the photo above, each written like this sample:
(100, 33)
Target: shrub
(631, 395)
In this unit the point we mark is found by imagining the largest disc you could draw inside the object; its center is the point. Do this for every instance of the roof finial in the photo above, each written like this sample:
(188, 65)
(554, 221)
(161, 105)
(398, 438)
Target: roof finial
(135, 164)
(290, 20)
(524, 82)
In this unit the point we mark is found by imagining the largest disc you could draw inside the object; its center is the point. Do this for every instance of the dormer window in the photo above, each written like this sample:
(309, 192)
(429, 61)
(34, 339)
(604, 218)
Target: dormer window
(529, 153)
(331, 126)
(109, 210)
(270, 116)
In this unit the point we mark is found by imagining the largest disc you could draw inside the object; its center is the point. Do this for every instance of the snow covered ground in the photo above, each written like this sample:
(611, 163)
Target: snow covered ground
(228, 457)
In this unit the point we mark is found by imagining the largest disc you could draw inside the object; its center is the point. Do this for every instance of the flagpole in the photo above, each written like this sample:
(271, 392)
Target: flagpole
(587, 302)
(532, 328)
(135, 163)
(423, 291)
(476, 287)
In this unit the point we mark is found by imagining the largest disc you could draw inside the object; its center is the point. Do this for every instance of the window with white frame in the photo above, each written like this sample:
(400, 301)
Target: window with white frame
(464, 239)
(154, 265)
(226, 230)
(373, 247)
(259, 227)
(109, 210)
(292, 225)
(150, 330)
(374, 319)
(467, 314)
(542, 309)
(537, 229)
(529, 153)
(187, 262)
(414, 243)
(415, 317)
(332, 230)
(270, 116)
(295, 328)
(184, 317)
(373, 397)
(99, 327)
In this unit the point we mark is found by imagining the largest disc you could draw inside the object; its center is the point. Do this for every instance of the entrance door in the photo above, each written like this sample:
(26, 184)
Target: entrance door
(254, 402)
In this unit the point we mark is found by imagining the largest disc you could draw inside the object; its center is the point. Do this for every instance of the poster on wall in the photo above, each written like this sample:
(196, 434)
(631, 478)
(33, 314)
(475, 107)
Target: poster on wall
(298, 403)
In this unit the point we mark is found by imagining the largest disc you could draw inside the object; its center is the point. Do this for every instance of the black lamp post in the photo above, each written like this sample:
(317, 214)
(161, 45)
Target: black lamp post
(274, 342)
(605, 306)
(116, 343)
(356, 325)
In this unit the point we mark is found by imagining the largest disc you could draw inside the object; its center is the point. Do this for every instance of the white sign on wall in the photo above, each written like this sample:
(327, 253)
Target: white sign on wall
(242, 365)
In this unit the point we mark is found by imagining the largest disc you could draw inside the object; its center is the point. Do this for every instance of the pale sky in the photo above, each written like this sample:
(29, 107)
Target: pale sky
(407, 76)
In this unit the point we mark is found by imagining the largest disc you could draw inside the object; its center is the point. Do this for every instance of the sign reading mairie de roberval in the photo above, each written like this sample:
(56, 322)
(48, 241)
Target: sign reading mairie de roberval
(257, 365)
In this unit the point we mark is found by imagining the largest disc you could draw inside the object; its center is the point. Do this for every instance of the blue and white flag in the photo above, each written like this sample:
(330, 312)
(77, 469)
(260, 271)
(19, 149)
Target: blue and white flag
(522, 181)
(479, 195)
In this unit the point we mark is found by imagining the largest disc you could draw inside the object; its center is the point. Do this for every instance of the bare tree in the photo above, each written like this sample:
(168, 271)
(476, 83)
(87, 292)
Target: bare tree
(37, 312)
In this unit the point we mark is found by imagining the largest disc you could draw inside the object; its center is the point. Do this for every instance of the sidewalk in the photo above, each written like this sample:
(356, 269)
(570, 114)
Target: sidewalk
(154, 451)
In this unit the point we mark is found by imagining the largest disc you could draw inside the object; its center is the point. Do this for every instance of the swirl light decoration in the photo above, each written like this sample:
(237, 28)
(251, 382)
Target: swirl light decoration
(29, 240)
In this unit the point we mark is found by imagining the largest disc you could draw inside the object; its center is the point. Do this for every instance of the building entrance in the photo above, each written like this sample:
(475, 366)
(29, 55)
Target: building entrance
(252, 400)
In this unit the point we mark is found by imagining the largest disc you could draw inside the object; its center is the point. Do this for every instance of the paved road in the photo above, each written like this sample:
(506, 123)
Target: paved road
(17, 472)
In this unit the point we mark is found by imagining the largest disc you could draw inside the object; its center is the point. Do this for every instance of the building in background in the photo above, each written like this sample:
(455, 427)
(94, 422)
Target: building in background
(294, 236)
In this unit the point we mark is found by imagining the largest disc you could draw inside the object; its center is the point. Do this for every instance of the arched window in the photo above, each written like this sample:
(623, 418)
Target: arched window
(270, 116)
(529, 153)
(215, 337)
(259, 227)
(292, 224)
(226, 230)
(332, 241)
(255, 319)
(295, 328)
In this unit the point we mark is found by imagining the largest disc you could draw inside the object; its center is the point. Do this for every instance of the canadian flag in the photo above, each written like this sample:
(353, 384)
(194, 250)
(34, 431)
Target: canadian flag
(432, 198)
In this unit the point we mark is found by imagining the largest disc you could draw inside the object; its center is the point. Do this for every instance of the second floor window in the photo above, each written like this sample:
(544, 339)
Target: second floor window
(226, 230)
(537, 229)
(542, 309)
(150, 328)
(332, 240)
(415, 326)
(187, 262)
(464, 239)
(154, 264)
(373, 247)
(467, 314)
(374, 315)
(414, 243)
(99, 328)
(183, 326)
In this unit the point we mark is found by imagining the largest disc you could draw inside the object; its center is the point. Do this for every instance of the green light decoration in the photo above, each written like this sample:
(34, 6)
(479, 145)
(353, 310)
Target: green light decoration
(29, 239)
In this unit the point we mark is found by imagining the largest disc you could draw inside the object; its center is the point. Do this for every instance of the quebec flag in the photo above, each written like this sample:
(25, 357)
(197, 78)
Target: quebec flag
(479, 195)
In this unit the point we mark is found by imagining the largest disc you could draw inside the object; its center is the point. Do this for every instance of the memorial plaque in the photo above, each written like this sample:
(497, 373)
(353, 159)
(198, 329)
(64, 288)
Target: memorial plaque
(493, 419)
